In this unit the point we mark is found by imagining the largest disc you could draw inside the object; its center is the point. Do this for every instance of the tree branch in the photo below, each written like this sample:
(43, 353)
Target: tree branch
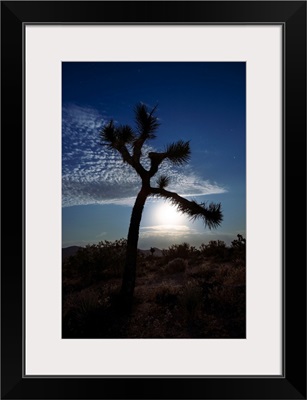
(117, 138)
(210, 214)
(178, 153)
(147, 123)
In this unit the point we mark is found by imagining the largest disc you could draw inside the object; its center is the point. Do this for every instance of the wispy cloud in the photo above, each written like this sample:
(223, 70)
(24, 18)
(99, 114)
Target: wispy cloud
(163, 236)
(166, 231)
(101, 234)
(94, 174)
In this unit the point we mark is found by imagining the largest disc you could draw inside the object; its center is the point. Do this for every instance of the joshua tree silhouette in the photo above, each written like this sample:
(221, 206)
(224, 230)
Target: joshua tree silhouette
(129, 143)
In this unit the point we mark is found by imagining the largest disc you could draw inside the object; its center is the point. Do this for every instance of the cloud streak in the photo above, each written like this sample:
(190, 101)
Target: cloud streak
(165, 231)
(94, 174)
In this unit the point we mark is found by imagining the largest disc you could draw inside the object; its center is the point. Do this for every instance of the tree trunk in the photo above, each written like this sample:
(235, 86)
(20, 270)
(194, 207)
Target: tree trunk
(128, 283)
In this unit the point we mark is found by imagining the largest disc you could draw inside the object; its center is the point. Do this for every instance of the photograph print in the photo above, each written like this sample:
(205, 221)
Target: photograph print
(154, 200)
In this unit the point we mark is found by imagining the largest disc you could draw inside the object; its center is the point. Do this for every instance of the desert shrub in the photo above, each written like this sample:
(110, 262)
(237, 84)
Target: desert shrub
(148, 264)
(95, 261)
(238, 250)
(166, 294)
(156, 322)
(229, 274)
(183, 250)
(87, 302)
(175, 266)
(216, 249)
(204, 272)
(191, 299)
(222, 273)
(82, 310)
(236, 276)
(228, 300)
(142, 268)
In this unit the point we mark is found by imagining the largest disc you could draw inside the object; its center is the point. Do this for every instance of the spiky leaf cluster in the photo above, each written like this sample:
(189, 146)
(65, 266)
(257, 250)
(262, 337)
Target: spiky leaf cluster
(116, 137)
(107, 134)
(211, 215)
(125, 134)
(178, 153)
(163, 181)
(147, 123)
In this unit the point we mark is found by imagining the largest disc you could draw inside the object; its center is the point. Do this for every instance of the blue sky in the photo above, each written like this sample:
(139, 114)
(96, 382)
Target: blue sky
(203, 102)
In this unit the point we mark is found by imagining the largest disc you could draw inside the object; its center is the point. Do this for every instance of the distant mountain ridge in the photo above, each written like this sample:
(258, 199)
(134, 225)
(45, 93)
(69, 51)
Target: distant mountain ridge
(72, 250)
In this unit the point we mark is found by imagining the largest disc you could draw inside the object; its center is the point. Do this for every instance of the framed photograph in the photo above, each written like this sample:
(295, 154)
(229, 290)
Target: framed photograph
(159, 197)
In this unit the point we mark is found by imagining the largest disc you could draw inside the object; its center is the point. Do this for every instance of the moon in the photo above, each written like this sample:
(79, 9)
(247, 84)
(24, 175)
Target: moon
(167, 214)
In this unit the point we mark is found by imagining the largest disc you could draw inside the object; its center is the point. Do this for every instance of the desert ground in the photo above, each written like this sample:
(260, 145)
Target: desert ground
(180, 292)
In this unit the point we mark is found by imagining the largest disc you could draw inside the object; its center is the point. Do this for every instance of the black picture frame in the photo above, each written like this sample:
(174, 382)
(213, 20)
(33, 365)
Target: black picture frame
(292, 16)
